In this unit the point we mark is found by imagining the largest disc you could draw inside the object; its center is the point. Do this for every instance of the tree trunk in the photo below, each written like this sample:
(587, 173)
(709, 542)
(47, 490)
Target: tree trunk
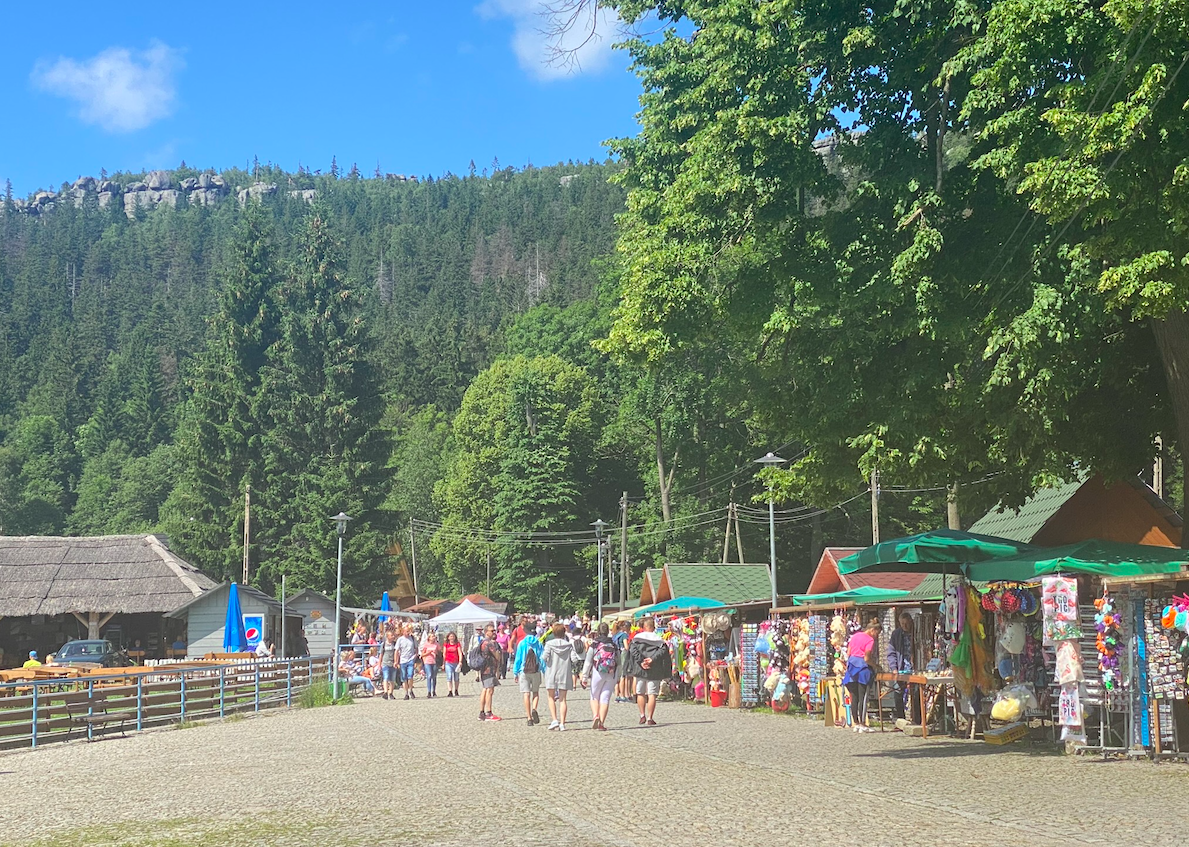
(817, 541)
(953, 517)
(665, 481)
(1172, 339)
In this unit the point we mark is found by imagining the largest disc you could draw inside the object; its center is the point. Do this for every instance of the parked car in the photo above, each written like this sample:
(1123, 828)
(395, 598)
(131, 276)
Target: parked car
(100, 653)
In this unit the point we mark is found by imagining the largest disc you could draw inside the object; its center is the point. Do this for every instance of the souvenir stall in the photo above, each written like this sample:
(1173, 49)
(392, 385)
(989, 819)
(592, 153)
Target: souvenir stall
(1097, 628)
(1150, 660)
(704, 643)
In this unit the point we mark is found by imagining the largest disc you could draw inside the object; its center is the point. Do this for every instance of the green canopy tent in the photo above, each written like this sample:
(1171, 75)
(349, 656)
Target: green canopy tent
(678, 605)
(1094, 557)
(939, 551)
(858, 596)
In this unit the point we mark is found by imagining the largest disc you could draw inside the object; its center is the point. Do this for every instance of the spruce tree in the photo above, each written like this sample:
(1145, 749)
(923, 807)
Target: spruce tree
(220, 435)
(324, 450)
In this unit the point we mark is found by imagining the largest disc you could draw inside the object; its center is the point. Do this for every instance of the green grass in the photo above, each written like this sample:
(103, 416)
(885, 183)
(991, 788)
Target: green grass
(186, 724)
(319, 694)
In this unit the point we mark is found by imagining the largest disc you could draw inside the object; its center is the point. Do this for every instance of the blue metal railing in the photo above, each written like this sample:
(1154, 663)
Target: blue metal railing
(39, 711)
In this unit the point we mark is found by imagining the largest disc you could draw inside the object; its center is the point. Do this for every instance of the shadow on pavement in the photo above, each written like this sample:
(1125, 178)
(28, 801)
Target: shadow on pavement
(955, 749)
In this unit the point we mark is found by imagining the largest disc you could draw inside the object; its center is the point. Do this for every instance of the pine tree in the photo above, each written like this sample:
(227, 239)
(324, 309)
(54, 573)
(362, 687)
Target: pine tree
(334, 167)
(324, 450)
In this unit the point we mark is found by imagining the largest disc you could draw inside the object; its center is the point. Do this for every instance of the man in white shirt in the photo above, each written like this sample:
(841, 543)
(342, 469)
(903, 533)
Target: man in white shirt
(406, 648)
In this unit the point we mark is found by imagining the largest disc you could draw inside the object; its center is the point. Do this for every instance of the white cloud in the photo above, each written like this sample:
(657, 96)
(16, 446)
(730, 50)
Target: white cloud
(119, 90)
(547, 54)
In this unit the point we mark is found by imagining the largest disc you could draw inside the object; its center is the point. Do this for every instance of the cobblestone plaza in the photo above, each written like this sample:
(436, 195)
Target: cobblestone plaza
(429, 772)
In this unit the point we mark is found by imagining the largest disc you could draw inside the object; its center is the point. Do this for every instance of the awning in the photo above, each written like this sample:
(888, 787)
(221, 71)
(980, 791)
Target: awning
(931, 552)
(678, 605)
(858, 596)
(1094, 557)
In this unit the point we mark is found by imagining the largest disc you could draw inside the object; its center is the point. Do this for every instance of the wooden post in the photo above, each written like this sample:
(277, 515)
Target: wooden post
(413, 558)
(874, 507)
(623, 554)
(247, 528)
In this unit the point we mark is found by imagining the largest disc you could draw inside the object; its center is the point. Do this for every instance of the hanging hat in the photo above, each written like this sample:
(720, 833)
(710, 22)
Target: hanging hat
(1028, 603)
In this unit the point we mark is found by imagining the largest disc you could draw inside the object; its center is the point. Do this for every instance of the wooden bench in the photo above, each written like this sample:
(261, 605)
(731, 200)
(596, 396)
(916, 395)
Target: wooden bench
(92, 711)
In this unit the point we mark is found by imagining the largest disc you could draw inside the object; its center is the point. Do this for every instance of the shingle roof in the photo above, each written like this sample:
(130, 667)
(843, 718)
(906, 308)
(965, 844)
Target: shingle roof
(725, 583)
(43, 575)
(1023, 525)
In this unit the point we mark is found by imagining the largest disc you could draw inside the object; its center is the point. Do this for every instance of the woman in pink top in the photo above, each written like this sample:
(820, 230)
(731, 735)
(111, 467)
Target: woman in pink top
(502, 637)
(429, 658)
(860, 673)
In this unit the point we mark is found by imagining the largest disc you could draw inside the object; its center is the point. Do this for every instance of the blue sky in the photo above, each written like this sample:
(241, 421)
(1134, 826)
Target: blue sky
(417, 87)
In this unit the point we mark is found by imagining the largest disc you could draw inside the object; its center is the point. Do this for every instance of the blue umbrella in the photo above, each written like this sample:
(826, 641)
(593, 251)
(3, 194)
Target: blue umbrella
(235, 640)
(385, 606)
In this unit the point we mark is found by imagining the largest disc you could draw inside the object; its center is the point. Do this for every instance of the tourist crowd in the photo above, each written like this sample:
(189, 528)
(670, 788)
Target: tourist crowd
(625, 664)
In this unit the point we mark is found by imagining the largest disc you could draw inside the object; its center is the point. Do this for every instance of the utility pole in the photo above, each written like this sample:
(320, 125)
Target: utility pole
(623, 554)
(488, 592)
(874, 507)
(247, 527)
(413, 557)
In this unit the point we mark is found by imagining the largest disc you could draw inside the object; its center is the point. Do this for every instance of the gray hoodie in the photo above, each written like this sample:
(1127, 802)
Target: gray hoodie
(559, 657)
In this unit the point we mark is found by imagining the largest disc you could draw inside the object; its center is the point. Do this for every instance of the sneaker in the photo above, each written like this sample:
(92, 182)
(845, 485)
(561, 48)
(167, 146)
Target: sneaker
(555, 724)
(493, 717)
(412, 694)
(536, 717)
(643, 720)
(651, 722)
(594, 724)
(561, 727)
(406, 696)
(602, 727)
(483, 716)
(449, 693)
(530, 722)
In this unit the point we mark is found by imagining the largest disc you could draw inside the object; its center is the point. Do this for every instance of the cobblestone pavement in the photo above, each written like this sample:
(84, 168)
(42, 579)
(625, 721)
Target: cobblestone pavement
(428, 772)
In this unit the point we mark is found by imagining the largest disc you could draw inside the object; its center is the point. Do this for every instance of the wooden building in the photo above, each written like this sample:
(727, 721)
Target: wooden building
(204, 616)
(55, 589)
(1127, 510)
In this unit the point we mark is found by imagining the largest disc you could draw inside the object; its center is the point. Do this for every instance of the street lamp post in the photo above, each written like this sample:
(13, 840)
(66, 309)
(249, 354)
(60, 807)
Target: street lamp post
(770, 461)
(599, 526)
(340, 521)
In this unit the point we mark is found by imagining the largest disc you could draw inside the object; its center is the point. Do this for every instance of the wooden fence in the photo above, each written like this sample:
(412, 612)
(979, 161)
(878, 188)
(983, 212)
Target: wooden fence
(33, 713)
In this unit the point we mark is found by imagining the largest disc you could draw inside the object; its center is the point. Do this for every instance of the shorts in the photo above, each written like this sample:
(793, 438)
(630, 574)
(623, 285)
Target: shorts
(407, 670)
(488, 680)
(390, 674)
(649, 687)
(530, 683)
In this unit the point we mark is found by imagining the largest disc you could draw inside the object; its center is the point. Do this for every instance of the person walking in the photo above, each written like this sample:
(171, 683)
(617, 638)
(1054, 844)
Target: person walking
(526, 667)
(388, 665)
(486, 660)
(650, 663)
(623, 683)
(429, 661)
(581, 648)
(600, 670)
(502, 638)
(559, 675)
(406, 648)
(860, 672)
(452, 659)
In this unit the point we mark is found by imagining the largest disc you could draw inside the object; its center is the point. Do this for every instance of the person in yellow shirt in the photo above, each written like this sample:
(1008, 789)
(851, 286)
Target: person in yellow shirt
(32, 663)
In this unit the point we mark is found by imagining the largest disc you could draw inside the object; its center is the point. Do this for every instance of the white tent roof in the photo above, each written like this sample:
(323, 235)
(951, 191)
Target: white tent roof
(467, 612)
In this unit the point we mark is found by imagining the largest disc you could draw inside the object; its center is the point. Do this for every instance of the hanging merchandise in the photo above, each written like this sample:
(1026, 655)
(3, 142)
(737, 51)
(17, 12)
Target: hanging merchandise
(799, 659)
(838, 636)
(1109, 638)
(1069, 663)
(1059, 600)
(820, 659)
(1070, 708)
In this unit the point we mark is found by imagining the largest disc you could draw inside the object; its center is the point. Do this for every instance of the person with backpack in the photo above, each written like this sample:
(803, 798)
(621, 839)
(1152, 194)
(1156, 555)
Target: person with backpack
(526, 667)
(600, 670)
(650, 662)
(559, 675)
(485, 658)
(581, 648)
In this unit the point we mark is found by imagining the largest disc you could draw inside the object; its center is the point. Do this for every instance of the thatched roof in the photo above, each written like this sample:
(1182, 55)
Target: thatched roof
(41, 575)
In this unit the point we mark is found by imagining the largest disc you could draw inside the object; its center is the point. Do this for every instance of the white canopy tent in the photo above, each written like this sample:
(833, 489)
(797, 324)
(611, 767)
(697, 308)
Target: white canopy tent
(467, 612)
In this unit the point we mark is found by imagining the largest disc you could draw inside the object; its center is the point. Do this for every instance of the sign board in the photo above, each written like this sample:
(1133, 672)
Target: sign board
(254, 629)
